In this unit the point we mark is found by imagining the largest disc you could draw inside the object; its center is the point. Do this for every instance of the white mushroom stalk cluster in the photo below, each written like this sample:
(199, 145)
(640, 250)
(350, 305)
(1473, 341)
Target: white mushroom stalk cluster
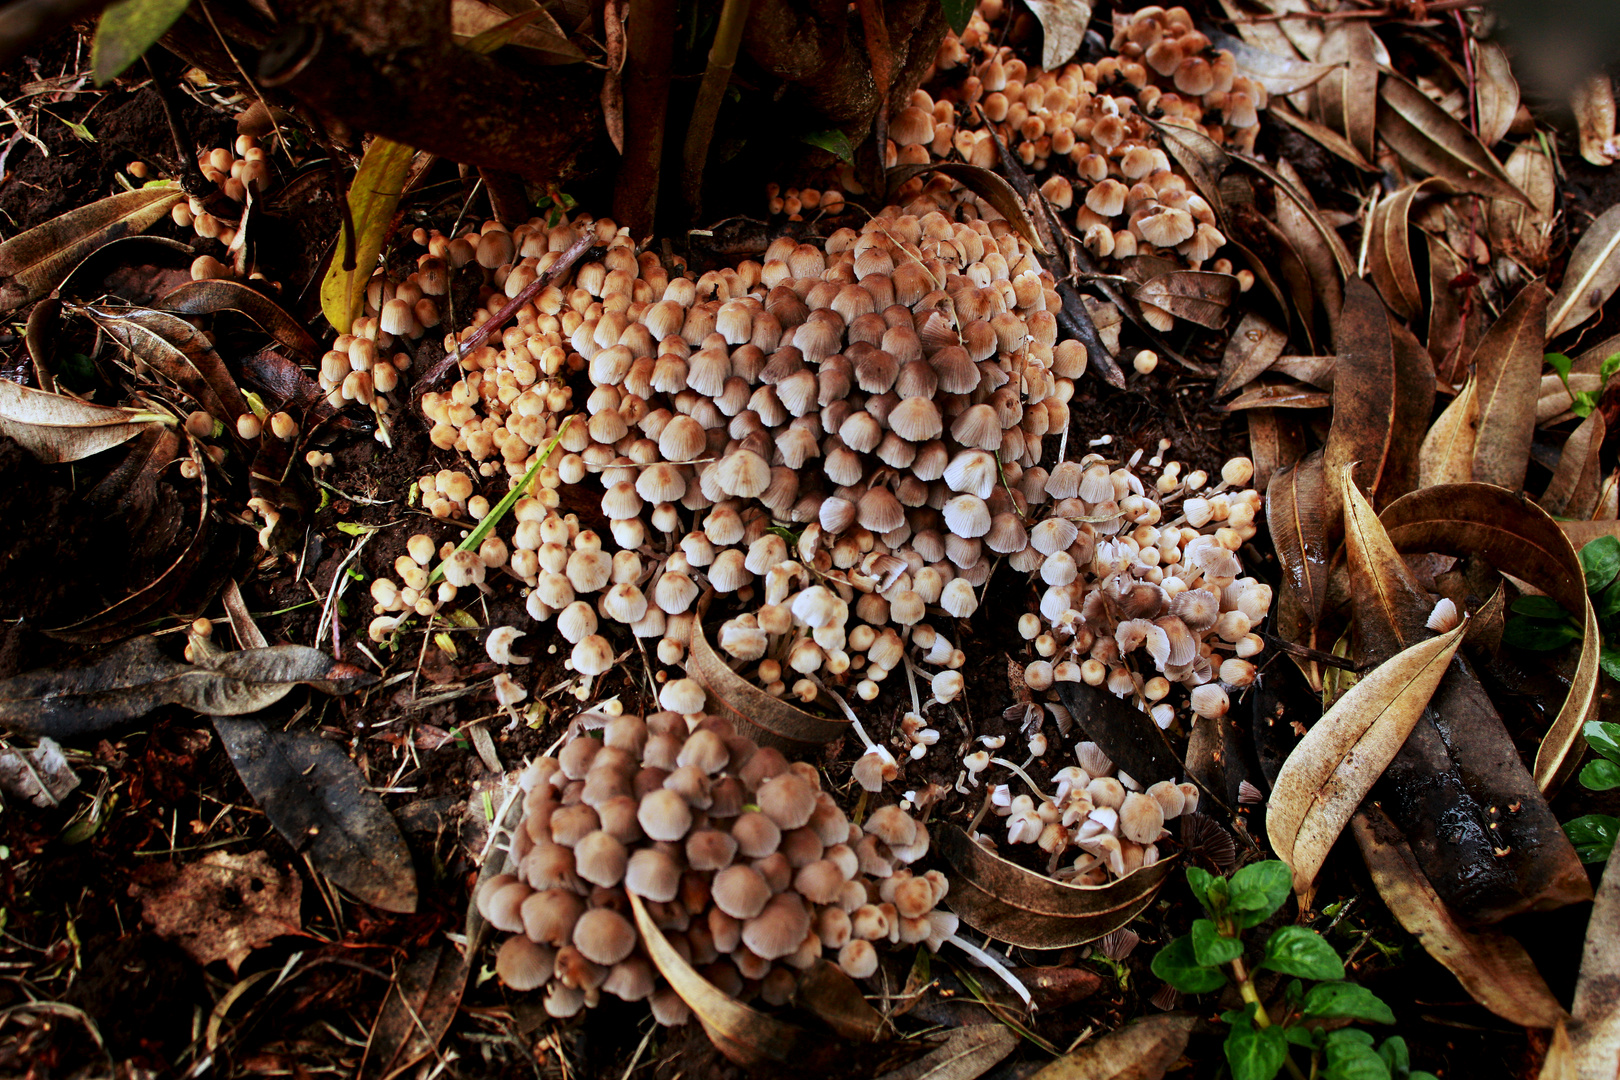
(748, 868)
(1143, 587)
(1097, 814)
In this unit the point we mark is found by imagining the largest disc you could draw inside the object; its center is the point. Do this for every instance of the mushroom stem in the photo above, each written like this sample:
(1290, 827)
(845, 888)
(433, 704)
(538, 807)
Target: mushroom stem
(911, 681)
(849, 712)
(1004, 763)
(988, 960)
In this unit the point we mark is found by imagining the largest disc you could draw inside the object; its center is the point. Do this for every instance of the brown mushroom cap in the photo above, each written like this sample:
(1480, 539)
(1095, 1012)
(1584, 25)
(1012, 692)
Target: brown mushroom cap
(779, 928)
(653, 874)
(913, 897)
(858, 959)
(600, 858)
(786, 799)
(603, 936)
(706, 750)
(549, 916)
(524, 965)
(820, 881)
(892, 825)
(710, 849)
(632, 979)
(756, 834)
(663, 815)
(503, 908)
(740, 891)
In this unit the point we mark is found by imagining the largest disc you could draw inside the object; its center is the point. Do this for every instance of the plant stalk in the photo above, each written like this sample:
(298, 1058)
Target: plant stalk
(1262, 1019)
(722, 57)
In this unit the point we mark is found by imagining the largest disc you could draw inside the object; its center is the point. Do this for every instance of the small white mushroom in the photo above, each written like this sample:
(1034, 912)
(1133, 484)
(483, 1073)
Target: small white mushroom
(499, 645)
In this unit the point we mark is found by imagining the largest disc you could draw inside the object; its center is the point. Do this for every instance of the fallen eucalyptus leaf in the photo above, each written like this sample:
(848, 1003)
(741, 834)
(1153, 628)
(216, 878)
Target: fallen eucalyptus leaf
(1199, 156)
(535, 29)
(1125, 733)
(1316, 370)
(1280, 396)
(835, 998)
(1492, 967)
(1595, 1033)
(1365, 390)
(1325, 137)
(1344, 753)
(373, 197)
(1508, 364)
(1431, 140)
(768, 720)
(214, 295)
(1389, 251)
(1496, 91)
(1275, 439)
(1591, 276)
(1199, 296)
(1447, 456)
(1063, 27)
(130, 680)
(1319, 247)
(1521, 232)
(1142, 1050)
(316, 798)
(55, 428)
(1297, 510)
(1348, 99)
(1593, 105)
(989, 186)
(747, 1037)
(1253, 348)
(1279, 74)
(1576, 482)
(179, 352)
(423, 998)
(967, 1053)
(33, 262)
(1023, 908)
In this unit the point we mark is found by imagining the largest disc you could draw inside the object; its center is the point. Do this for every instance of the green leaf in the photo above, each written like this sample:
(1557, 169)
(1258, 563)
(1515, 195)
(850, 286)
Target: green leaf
(1611, 364)
(1609, 661)
(1600, 560)
(1539, 607)
(126, 30)
(1177, 965)
(373, 197)
(1593, 836)
(1583, 402)
(1303, 1036)
(1395, 1056)
(1210, 948)
(1260, 889)
(1348, 1055)
(1600, 775)
(1559, 363)
(1607, 602)
(1199, 881)
(1538, 635)
(1255, 1053)
(957, 14)
(1299, 950)
(833, 141)
(1346, 1000)
(1603, 737)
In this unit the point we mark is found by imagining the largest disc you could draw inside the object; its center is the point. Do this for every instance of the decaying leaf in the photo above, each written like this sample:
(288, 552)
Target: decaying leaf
(1198, 296)
(1429, 139)
(1345, 752)
(1455, 314)
(836, 999)
(1591, 276)
(1577, 481)
(1030, 910)
(1063, 27)
(373, 197)
(179, 352)
(221, 907)
(1316, 370)
(421, 1002)
(1138, 1051)
(1253, 348)
(316, 798)
(213, 295)
(1493, 967)
(33, 262)
(1516, 537)
(1524, 232)
(1280, 395)
(535, 29)
(1348, 97)
(1507, 364)
(1593, 104)
(41, 775)
(1297, 510)
(1126, 734)
(1280, 75)
(1275, 439)
(130, 680)
(1389, 250)
(1447, 456)
(1496, 91)
(1365, 388)
(55, 428)
(745, 1036)
(988, 185)
(767, 720)
(1319, 246)
(967, 1053)
(1595, 1033)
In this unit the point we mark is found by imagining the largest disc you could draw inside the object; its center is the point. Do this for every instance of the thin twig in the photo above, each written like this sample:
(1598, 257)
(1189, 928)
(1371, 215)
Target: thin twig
(711, 93)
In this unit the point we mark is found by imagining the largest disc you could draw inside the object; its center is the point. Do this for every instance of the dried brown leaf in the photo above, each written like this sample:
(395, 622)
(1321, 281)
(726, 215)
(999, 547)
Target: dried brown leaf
(214, 295)
(1520, 232)
(1496, 91)
(967, 1053)
(1364, 390)
(1447, 456)
(989, 186)
(1429, 139)
(1493, 967)
(33, 262)
(834, 997)
(179, 352)
(1455, 315)
(1200, 157)
(1591, 276)
(1138, 1051)
(1316, 370)
(1593, 104)
(1277, 395)
(1030, 910)
(221, 907)
(1348, 98)
(1297, 511)
(1253, 347)
(1278, 73)
(1325, 137)
(1320, 248)
(1576, 483)
(766, 719)
(1063, 27)
(1595, 1033)
(55, 428)
(1508, 364)
(1199, 296)
(1276, 440)
(1389, 250)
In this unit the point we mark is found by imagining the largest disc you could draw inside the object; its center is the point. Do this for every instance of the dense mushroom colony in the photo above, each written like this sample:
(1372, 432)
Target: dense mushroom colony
(747, 867)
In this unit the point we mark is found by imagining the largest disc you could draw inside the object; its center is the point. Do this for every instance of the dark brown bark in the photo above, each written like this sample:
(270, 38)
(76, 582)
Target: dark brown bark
(508, 197)
(651, 48)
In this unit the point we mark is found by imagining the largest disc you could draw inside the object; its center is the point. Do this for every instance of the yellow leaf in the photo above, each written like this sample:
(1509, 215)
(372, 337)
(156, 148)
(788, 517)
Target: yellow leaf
(373, 198)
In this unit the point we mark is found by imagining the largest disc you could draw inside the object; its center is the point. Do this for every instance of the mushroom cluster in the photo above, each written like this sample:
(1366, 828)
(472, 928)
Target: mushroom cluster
(231, 173)
(748, 868)
(1096, 810)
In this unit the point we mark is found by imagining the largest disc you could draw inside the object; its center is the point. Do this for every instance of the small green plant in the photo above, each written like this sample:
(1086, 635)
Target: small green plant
(1261, 1042)
(1582, 402)
(1593, 834)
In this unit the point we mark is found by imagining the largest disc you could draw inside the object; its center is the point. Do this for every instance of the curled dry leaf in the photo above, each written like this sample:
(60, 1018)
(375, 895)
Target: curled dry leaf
(1447, 455)
(967, 1053)
(1297, 510)
(767, 720)
(1279, 74)
(1200, 157)
(1521, 232)
(321, 804)
(1593, 104)
(1345, 752)
(1493, 967)
(1199, 296)
(1252, 349)
(127, 682)
(1389, 250)
(214, 295)
(1576, 484)
(373, 197)
(1595, 1034)
(41, 775)
(989, 186)
(1030, 910)
(1507, 364)
(1591, 276)
(1063, 27)
(179, 352)
(1319, 247)
(33, 262)
(1280, 395)
(1519, 538)
(1325, 137)
(55, 428)
(1496, 91)
(1139, 1051)
(1275, 439)
(1126, 734)
(1430, 140)
(1348, 97)
(745, 1036)
(1316, 370)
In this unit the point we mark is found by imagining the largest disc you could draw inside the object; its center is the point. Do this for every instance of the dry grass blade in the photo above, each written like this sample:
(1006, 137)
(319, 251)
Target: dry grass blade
(1447, 455)
(1496, 91)
(1345, 752)
(1296, 507)
(1517, 537)
(1591, 277)
(1493, 967)
(765, 719)
(1031, 910)
(967, 1053)
(1593, 104)
(1507, 364)
(1389, 251)
(747, 1037)
(33, 262)
(1139, 1051)
(1431, 140)
(1254, 347)
(56, 429)
(1577, 482)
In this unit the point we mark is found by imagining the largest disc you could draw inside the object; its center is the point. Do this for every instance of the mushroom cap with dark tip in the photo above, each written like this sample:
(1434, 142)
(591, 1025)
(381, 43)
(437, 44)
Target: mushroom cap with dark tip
(786, 799)
(779, 928)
